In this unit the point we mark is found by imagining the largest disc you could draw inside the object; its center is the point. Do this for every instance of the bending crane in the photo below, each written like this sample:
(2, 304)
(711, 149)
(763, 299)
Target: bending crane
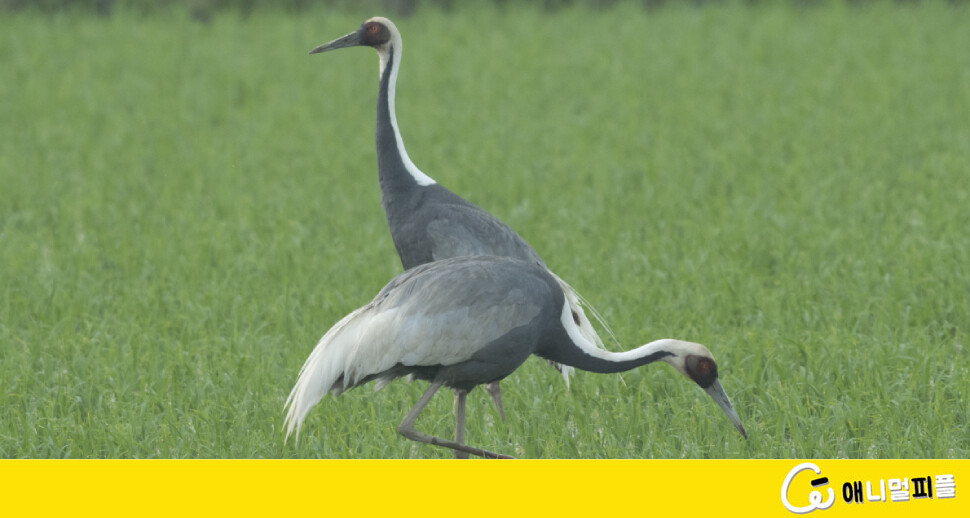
(468, 321)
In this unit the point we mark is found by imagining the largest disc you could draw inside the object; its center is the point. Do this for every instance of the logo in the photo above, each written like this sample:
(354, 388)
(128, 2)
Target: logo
(924, 487)
(814, 498)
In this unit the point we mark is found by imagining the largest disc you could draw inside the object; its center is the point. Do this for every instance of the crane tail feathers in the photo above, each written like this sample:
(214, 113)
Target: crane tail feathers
(326, 370)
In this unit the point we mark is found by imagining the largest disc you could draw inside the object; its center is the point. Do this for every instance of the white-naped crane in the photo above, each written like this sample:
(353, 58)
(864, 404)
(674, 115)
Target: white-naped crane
(429, 222)
(468, 321)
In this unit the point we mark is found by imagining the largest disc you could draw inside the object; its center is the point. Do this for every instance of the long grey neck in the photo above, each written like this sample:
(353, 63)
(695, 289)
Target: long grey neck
(607, 363)
(396, 171)
(568, 346)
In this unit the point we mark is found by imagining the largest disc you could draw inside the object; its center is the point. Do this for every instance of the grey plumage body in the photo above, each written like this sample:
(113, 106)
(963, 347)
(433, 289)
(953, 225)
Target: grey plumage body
(431, 223)
(463, 321)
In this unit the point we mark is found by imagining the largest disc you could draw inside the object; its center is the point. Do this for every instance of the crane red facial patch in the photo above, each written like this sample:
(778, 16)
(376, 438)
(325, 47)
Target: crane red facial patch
(700, 369)
(374, 34)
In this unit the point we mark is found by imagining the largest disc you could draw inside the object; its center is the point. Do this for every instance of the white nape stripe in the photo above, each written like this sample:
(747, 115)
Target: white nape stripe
(576, 302)
(576, 334)
(396, 45)
(588, 347)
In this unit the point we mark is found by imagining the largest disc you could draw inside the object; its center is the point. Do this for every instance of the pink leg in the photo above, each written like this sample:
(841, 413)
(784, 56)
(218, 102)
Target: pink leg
(406, 428)
(496, 392)
(460, 395)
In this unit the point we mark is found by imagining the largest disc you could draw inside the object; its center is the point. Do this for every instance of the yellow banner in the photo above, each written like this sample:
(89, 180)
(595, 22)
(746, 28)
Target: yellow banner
(826, 488)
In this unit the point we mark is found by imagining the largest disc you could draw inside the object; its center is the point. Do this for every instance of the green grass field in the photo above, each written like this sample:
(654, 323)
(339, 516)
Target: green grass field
(186, 208)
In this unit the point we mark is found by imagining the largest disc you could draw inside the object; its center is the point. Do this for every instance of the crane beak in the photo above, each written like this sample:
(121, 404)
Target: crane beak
(351, 40)
(717, 393)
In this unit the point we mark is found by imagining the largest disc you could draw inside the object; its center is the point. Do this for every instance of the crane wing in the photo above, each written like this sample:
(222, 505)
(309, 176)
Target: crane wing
(459, 230)
(438, 313)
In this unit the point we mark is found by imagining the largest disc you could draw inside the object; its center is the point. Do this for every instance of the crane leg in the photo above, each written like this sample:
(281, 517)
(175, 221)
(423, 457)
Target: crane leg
(496, 392)
(460, 396)
(406, 428)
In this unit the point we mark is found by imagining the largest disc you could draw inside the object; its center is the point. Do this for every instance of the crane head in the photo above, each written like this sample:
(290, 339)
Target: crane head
(375, 32)
(697, 363)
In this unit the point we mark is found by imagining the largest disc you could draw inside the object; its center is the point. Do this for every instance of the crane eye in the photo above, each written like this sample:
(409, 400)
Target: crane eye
(374, 34)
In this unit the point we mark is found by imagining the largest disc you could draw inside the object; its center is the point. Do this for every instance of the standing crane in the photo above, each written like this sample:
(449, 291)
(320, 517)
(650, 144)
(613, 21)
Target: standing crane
(429, 222)
(467, 321)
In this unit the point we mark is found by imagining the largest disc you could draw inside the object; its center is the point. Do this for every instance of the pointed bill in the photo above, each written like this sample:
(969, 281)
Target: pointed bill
(351, 40)
(717, 393)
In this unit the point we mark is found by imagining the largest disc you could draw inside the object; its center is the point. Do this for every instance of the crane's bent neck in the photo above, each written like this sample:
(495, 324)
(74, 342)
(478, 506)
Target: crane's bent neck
(389, 141)
(587, 356)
